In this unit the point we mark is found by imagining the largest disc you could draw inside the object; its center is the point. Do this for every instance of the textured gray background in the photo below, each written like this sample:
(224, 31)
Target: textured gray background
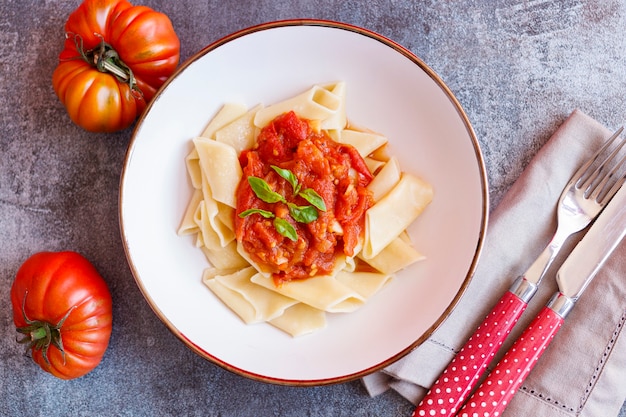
(517, 67)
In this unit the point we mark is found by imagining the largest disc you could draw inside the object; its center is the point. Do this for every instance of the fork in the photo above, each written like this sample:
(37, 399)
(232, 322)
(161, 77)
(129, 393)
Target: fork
(582, 199)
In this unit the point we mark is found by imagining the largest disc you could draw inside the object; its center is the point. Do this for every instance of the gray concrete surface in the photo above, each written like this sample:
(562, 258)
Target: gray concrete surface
(517, 67)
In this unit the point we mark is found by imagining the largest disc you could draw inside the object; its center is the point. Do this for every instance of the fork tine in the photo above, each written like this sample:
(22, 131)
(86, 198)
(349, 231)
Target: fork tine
(588, 178)
(581, 172)
(618, 184)
(600, 185)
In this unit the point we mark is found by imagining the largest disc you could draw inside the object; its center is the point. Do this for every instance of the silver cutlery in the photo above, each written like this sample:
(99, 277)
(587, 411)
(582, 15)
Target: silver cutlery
(573, 277)
(583, 198)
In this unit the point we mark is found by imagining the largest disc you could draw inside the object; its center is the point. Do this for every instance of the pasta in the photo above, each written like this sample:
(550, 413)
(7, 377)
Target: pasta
(323, 103)
(253, 303)
(394, 212)
(243, 281)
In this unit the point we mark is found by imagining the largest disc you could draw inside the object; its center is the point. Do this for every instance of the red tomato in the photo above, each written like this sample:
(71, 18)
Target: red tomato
(115, 58)
(63, 307)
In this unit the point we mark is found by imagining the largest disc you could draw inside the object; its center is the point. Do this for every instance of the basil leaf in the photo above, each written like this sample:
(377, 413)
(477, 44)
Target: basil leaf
(264, 213)
(303, 214)
(289, 176)
(263, 190)
(285, 228)
(314, 198)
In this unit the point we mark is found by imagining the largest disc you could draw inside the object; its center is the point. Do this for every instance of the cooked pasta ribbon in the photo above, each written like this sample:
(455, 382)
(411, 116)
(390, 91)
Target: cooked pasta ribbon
(226, 115)
(300, 319)
(393, 213)
(220, 163)
(323, 292)
(251, 302)
(321, 103)
(240, 133)
(364, 142)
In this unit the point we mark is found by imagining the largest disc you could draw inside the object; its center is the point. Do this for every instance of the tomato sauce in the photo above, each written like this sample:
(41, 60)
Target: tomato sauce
(335, 171)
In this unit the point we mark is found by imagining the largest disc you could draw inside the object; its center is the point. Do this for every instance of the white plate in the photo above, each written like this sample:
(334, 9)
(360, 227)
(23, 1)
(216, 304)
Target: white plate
(388, 90)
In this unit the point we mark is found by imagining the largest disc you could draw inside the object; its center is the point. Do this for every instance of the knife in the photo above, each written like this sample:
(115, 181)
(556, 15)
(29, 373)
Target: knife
(574, 276)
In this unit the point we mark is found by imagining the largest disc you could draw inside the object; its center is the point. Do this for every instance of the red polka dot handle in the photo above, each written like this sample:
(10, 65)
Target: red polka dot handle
(456, 382)
(494, 394)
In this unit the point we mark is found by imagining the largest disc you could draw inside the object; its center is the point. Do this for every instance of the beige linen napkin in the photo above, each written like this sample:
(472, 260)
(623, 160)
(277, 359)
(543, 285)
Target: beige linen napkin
(583, 371)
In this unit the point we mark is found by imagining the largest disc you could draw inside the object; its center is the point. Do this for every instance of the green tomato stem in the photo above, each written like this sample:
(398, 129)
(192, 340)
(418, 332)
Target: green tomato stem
(105, 59)
(40, 334)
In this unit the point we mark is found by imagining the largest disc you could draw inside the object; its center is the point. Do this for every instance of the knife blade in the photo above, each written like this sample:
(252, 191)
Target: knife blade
(587, 258)
(573, 277)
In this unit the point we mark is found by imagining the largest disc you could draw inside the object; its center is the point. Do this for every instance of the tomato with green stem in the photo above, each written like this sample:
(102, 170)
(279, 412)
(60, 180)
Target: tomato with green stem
(115, 57)
(63, 308)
